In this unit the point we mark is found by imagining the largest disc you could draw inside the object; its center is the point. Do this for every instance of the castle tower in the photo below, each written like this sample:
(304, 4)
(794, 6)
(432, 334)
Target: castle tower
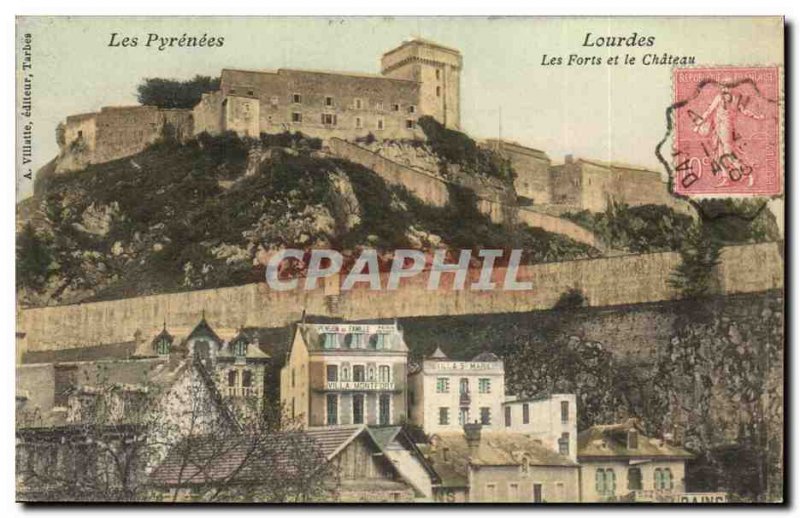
(438, 69)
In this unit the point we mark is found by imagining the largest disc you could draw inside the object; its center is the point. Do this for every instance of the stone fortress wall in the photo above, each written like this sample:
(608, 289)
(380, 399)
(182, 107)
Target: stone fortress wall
(418, 78)
(435, 190)
(117, 132)
(632, 279)
(582, 184)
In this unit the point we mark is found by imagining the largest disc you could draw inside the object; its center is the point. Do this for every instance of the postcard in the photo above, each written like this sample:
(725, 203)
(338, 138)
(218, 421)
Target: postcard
(409, 260)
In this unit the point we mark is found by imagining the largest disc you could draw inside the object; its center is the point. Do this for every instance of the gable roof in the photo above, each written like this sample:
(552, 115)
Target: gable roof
(243, 458)
(611, 441)
(249, 459)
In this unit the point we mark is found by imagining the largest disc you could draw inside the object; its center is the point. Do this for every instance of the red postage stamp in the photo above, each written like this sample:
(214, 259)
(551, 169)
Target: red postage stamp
(727, 131)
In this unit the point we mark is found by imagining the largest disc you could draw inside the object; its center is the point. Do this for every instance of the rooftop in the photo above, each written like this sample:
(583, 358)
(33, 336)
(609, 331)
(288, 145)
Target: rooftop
(451, 457)
(611, 441)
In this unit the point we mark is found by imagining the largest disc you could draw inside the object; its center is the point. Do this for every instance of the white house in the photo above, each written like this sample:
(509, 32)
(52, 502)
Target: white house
(444, 394)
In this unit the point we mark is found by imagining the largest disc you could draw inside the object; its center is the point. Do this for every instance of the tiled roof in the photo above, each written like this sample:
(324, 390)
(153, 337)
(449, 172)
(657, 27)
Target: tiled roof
(242, 458)
(495, 449)
(611, 441)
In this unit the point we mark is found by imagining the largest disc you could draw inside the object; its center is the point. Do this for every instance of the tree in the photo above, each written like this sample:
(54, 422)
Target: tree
(694, 276)
(33, 259)
(171, 93)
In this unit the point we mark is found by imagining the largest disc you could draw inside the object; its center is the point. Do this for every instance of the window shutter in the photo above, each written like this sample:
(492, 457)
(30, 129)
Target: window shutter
(613, 480)
(599, 481)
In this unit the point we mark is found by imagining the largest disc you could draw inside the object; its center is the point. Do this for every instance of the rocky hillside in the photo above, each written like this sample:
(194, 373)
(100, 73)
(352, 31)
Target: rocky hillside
(203, 214)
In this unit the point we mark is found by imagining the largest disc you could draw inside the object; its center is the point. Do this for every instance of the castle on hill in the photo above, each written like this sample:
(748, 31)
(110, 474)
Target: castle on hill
(418, 78)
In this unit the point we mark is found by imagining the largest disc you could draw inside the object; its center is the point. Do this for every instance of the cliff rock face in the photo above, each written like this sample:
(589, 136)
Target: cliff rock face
(206, 213)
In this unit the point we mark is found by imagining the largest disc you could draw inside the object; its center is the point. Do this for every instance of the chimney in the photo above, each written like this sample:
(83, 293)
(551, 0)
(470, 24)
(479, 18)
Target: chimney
(472, 433)
(568, 159)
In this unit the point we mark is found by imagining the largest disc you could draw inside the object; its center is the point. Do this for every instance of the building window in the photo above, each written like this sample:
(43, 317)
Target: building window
(486, 415)
(384, 374)
(633, 440)
(247, 378)
(444, 416)
(358, 103)
(329, 119)
(330, 341)
(410, 124)
(412, 109)
(663, 479)
(163, 347)
(438, 72)
(380, 123)
(513, 492)
(332, 372)
(565, 411)
(376, 341)
(508, 416)
(563, 444)
(484, 385)
(332, 405)
(359, 123)
(240, 348)
(605, 481)
(297, 117)
(538, 497)
(371, 373)
(293, 378)
(384, 408)
(442, 385)
(463, 386)
(395, 107)
(634, 479)
(438, 91)
(233, 378)
(273, 100)
(526, 465)
(463, 416)
(329, 101)
(358, 373)
(358, 408)
(526, 413)
(379, 106)
(297, 98)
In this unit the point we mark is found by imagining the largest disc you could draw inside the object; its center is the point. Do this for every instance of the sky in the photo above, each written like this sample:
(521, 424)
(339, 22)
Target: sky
(602, 112)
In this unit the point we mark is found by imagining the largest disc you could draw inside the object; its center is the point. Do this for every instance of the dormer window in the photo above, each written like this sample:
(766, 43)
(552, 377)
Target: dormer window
(633, 440)
(162, 347)
(240, 348)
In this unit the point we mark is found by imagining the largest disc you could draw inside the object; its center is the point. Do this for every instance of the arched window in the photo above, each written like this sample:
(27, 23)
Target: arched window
(526, 465)
(463, 386)
(371, 373)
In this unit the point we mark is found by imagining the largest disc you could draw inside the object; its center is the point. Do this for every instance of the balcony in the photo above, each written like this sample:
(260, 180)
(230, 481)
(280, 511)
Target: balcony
(239, 391)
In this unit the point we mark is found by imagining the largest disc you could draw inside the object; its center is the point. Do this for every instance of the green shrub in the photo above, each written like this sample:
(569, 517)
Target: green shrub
(172, 93)
(458, 148)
